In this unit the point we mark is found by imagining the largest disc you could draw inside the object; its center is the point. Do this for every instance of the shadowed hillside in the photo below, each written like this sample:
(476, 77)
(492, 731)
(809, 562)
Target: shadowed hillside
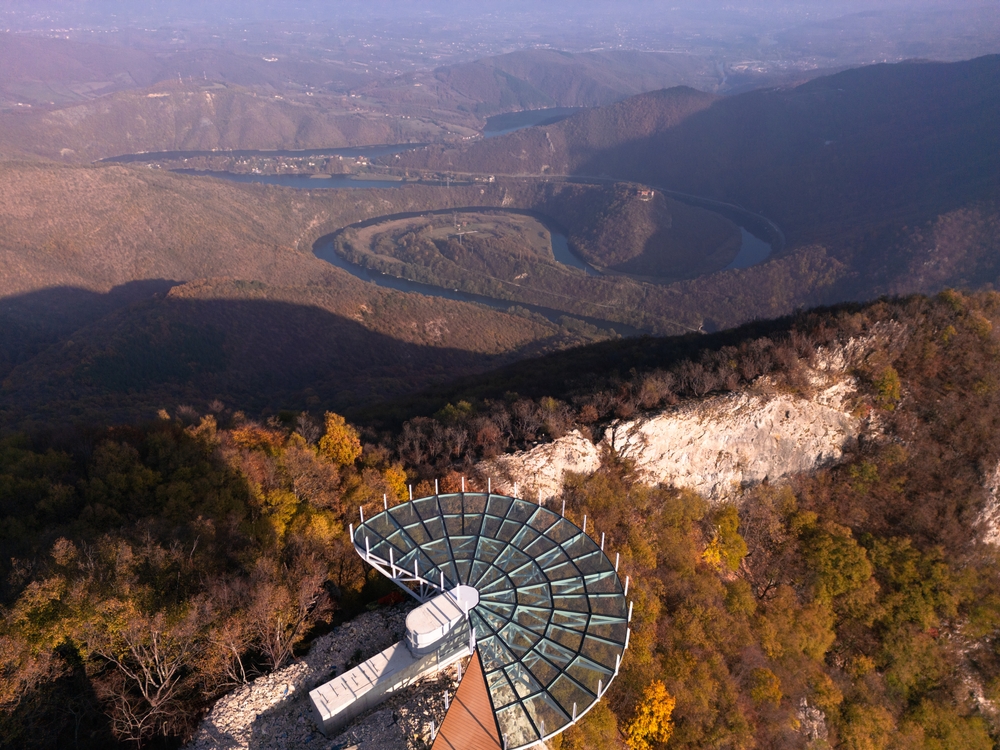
(827, 159)
(252, 346)
(863, 166)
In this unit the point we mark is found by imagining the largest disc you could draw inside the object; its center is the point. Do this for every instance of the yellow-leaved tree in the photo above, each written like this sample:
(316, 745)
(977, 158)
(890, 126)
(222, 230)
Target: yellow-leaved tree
(652, 724)
(340, 442)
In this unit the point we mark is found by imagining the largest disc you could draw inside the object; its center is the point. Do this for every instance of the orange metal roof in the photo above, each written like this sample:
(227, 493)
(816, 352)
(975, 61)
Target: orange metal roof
(470, 723)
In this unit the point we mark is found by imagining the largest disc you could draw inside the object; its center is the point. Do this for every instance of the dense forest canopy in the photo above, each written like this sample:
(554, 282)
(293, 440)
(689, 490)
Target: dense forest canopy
(149, 568)
(202, 383)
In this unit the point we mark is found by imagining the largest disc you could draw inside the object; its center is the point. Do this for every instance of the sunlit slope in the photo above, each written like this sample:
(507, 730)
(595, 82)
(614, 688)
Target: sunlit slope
(172, 117)
(99, 227)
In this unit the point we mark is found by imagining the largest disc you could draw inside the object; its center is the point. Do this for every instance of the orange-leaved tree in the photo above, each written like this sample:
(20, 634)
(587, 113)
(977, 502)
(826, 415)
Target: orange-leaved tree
(652, 724)
(340, 442)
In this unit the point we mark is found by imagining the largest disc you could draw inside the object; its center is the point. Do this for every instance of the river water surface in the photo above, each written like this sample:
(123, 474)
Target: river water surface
(514, 121)
(753, 250)
(300, 181)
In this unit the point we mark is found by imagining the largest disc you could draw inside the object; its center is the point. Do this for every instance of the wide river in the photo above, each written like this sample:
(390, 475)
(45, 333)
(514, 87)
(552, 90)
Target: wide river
(753, 249)
(760, 236)
(514, 121)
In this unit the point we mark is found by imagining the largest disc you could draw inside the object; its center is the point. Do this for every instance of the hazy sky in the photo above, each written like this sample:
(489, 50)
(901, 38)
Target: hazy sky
(125, 11)
(826, 31)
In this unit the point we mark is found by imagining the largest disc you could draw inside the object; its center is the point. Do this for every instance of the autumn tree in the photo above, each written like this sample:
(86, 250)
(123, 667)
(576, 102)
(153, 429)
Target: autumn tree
(340, 442)
(283, 600)
(652, 724)
(151, 656)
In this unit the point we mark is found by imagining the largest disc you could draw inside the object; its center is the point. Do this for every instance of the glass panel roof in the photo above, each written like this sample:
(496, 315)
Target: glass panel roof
(552, 617)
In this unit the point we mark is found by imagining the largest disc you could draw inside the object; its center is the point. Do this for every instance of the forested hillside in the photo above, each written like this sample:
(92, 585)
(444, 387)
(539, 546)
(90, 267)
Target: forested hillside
(884, 179)
(126, 288)
(533, 79)
(182, 117)
(828, 160)
(856, 606)
(131, 266)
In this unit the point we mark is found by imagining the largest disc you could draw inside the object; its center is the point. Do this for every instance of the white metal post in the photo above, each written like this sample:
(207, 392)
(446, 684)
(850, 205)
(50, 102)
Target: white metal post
(584, 523)
(361, 510)
(385, 501)
(602, 541)
(463, 484)
(630, 611)
(411, 491)
(626, 585)
(435, 487)
(616, 561)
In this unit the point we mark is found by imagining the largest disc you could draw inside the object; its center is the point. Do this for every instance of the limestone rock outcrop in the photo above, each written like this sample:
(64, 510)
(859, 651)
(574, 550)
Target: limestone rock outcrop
(273, 712)
(717, 446)
(989, 518)
(539, 472)
(721, 445)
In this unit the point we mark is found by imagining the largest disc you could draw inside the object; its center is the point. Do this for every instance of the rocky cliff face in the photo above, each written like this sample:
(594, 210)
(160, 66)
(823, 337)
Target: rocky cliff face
(717, 446)
(722, 445)
(989, 519)
(539, 473)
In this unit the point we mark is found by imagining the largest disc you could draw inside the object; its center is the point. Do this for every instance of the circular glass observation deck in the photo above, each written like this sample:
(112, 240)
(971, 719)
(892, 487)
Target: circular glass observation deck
(551, 623)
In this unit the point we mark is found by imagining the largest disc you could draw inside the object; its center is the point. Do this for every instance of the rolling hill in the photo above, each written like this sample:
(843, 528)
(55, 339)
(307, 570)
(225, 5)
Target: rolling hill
(912, 137)
(183, 117)
(191, 289)
(862, 164)
(532, 79)
(49, 72)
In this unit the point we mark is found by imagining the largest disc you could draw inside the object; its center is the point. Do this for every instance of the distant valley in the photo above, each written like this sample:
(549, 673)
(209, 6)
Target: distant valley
(715, 282)
(848, 231)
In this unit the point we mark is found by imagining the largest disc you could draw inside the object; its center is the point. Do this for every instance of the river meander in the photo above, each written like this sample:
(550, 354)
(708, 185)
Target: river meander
(754, 248)
(324, 250)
